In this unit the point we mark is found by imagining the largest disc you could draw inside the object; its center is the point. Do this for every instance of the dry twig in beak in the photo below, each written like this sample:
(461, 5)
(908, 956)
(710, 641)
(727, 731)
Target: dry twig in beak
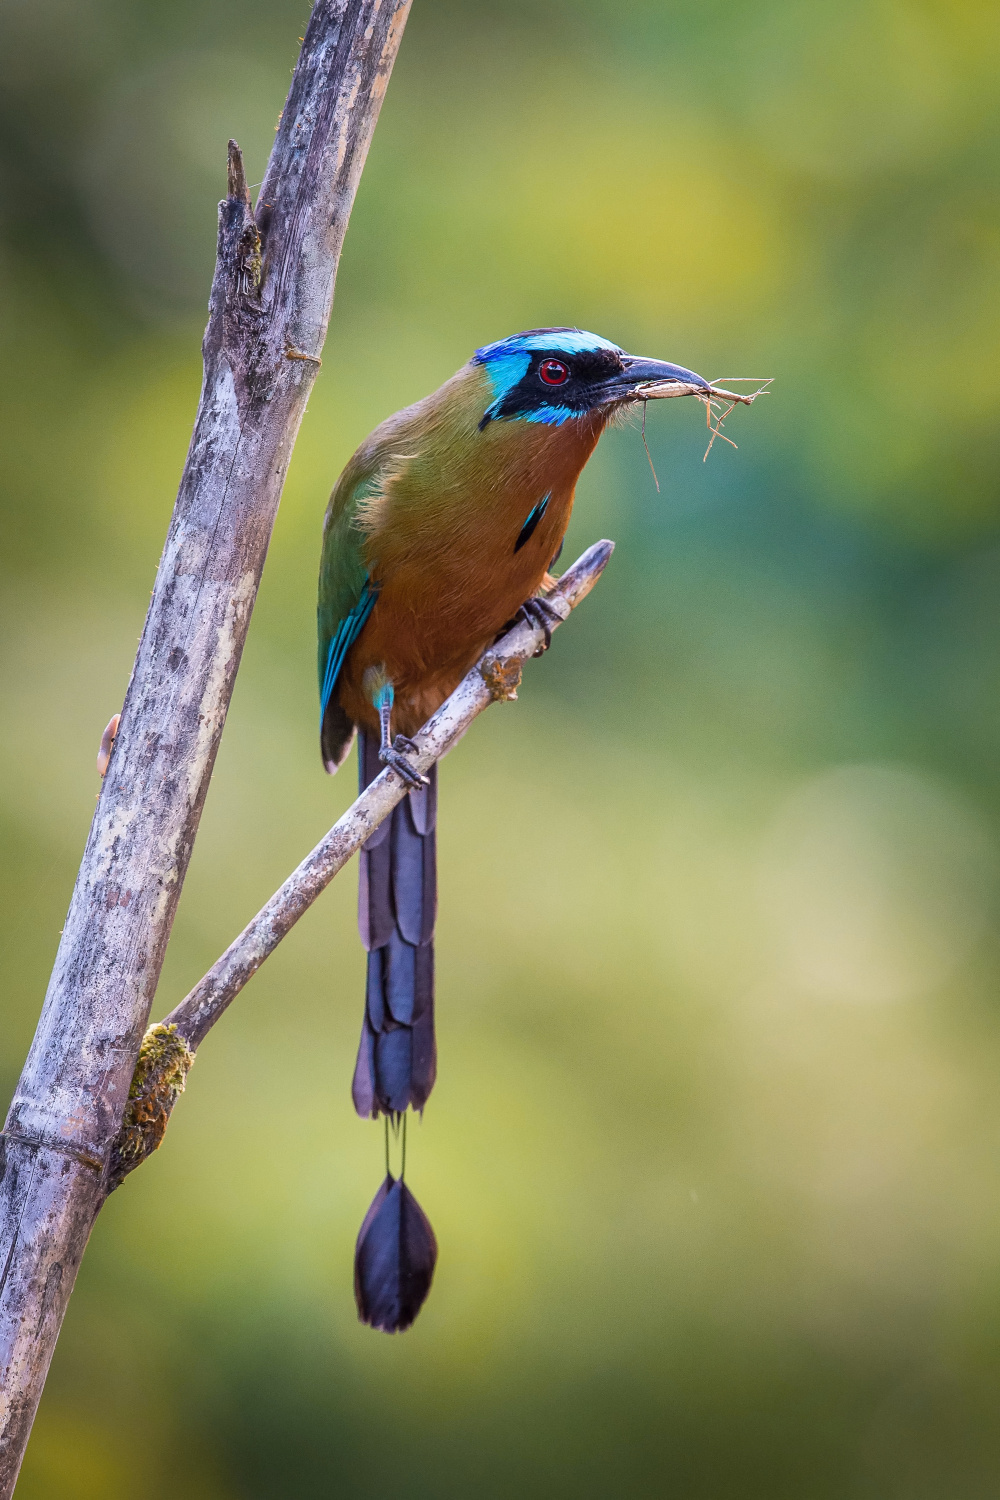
(662, 390)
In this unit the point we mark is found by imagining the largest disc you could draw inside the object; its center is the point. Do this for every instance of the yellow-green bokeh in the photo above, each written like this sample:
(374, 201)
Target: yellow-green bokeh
(712, 1157)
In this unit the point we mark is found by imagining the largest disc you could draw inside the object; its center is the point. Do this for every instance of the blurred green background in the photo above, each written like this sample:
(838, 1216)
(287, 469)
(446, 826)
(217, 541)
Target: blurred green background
(713, 1153)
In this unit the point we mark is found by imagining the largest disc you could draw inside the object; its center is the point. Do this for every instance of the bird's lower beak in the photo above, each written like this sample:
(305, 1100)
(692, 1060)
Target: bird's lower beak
(653, 379)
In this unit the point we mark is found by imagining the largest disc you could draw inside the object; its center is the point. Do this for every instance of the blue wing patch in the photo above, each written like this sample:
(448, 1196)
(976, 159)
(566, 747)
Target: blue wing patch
(345, 635)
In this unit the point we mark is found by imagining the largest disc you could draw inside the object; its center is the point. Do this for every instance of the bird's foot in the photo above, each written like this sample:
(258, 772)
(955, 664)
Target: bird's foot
(539, 613)
(394, 756)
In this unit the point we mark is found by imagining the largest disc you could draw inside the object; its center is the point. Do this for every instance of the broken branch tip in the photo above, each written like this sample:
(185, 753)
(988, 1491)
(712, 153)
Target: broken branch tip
(237, 174)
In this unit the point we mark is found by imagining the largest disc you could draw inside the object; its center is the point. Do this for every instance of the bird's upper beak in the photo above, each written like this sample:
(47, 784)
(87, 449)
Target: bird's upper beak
(650, 379)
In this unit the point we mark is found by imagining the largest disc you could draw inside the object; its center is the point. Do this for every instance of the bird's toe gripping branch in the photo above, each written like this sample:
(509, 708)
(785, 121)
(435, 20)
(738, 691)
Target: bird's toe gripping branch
(394, 756)
(392, 752)
(541, 614)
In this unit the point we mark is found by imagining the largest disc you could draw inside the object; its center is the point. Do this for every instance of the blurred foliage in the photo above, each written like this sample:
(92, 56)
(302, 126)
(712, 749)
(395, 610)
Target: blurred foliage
(712, 1158)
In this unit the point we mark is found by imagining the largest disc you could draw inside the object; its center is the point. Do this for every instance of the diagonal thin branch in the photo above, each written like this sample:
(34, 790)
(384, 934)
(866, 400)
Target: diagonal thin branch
(495, 677)
(169, 1048)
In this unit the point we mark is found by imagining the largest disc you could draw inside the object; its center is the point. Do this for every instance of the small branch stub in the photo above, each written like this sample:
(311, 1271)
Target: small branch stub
(312, 359)
(107, 745)
(160, 1075)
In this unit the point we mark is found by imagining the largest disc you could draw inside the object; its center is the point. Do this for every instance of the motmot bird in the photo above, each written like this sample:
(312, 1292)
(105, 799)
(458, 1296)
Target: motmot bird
(442, 527)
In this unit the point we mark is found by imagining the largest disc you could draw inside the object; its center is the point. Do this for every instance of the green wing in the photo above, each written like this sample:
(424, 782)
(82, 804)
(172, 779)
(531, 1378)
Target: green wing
(346, 598)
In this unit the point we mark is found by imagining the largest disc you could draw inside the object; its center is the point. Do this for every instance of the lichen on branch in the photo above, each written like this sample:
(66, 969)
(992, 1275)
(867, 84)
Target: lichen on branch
(160, 1075)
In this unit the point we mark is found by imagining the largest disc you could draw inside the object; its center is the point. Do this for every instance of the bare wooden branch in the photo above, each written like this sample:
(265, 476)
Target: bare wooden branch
(494, 678)
(271, 294)
(491, 679)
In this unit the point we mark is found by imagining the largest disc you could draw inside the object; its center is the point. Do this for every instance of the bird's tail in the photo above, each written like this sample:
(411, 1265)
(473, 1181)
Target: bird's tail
(397, 903)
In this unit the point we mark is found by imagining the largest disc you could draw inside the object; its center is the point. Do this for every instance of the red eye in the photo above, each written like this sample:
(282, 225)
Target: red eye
(553, 372)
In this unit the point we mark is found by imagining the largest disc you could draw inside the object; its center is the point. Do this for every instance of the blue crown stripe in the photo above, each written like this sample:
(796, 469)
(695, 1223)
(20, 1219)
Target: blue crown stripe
(564, 340)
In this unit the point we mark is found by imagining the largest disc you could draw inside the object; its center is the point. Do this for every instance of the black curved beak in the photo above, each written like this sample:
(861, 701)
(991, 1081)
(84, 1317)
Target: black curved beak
(650, 379)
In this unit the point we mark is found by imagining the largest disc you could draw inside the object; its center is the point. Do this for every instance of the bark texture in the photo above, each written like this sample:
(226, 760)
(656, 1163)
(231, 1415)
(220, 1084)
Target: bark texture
(268, 313)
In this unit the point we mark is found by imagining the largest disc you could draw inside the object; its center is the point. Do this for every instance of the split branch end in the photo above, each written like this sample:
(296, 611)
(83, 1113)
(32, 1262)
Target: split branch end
(237, 175)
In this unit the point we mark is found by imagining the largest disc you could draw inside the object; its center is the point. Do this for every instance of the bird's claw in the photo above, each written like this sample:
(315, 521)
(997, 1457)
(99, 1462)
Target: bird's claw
(539, 613)
(394, 756)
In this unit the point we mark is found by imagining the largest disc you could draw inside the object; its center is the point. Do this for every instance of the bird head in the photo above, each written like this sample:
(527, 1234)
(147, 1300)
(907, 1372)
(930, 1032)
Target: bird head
(552, 375)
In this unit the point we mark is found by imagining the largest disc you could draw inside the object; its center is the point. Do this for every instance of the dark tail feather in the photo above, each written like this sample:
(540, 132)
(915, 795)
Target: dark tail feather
(394, 1259)
(397, 903)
